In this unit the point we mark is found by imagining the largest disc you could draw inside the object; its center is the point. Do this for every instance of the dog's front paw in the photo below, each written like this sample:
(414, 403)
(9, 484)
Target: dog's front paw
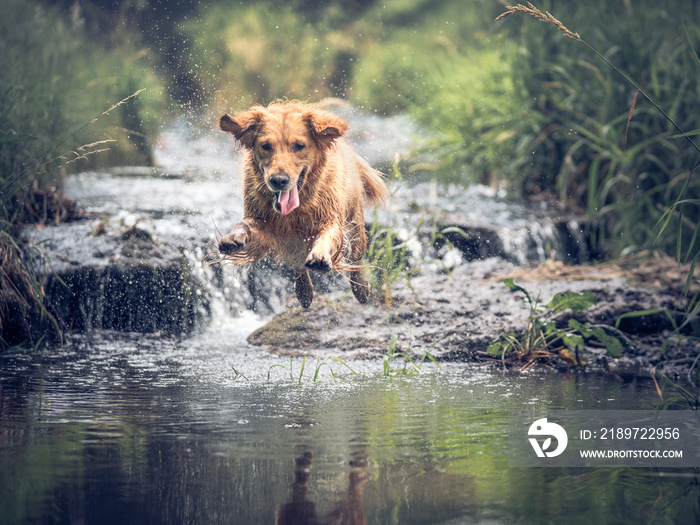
(235, 240)
(321, 262)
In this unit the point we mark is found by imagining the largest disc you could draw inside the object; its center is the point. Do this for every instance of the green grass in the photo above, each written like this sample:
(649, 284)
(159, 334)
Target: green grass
(23, 314)
(297, 377)
(396, 253)
(410, 365)
(57, 81)
(638, 186)
(601, 147)
(298, 372)
(70, 79)
(388, 258)
(677, 396)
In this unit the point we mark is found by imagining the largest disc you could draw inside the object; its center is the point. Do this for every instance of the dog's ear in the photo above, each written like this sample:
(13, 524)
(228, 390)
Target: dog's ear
(324, 127)
(243, 126)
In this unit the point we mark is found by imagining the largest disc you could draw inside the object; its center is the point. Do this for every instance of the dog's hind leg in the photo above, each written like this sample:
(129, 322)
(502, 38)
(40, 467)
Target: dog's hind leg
(357, 239)
(360, 285)
(303, 288)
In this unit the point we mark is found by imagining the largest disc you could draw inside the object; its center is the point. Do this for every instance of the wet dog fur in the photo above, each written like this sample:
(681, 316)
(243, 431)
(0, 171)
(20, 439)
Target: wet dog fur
(304, 193)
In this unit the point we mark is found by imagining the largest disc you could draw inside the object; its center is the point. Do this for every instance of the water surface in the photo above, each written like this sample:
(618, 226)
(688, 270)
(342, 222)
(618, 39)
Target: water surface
(132, 428)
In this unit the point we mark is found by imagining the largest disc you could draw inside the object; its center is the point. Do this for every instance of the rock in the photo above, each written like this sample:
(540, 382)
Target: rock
(455, 317)
(128, 281)
(494, 227)
(447, 314)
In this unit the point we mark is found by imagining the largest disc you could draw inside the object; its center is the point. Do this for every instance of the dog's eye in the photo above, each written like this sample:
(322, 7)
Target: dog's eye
(266, 146)
(299, 146)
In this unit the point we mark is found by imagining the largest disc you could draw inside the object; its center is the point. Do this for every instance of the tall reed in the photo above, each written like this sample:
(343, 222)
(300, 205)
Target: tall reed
(646, 185)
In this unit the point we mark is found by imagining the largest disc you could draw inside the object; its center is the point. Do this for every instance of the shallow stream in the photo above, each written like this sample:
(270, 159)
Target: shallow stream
(203, 428)
(135, 428)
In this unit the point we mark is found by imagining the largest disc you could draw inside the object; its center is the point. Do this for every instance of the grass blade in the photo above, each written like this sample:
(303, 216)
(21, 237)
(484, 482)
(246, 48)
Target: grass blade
(344, 364)
(634, 104)
(301, 372)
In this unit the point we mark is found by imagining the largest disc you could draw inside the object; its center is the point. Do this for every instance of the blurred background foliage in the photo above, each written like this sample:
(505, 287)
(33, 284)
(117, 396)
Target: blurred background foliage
(573, 140)
(513, 104)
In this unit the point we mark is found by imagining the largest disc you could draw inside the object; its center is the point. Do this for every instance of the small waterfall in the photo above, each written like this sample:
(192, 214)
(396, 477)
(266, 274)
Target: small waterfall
(562, 240)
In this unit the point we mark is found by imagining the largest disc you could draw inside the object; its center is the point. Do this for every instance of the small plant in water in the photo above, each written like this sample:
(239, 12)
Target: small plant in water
(542, 338)
(238, 374)
(679, 397)
(388, 256)
(319, 365)
(392, 354)
(396, 252)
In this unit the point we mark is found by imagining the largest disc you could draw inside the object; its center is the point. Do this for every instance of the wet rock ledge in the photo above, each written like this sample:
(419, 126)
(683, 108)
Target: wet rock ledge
(128, 281)
(455, 317)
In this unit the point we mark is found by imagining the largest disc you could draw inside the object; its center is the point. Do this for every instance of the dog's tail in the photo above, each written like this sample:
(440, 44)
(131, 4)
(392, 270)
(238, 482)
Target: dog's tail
(374, 186)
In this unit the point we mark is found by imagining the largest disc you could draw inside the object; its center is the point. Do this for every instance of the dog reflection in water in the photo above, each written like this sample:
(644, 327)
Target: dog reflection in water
(347, 510)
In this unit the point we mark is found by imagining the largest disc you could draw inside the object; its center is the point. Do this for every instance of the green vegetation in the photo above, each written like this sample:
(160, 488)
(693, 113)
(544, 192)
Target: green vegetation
(543, 339)
(411, 365)
(392, 354)
(679, 397)
(634, 197)
(56, 80)
(599, 145)
(395, 253)
(66, 103)
(317, 369)
(388, 258)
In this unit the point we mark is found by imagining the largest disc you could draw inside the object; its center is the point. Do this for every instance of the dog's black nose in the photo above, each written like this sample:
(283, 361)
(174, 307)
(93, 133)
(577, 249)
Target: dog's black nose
(279, 181)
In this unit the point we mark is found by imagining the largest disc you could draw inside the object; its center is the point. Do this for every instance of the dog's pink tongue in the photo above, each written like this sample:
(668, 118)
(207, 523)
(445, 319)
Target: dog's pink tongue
(289, 200)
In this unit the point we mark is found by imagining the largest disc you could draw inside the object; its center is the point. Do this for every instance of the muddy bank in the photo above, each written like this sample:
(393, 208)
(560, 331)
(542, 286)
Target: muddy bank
(455, 317)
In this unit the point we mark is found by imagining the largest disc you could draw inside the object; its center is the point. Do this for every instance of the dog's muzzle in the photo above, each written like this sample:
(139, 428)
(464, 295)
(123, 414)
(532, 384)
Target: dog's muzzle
(286, 200)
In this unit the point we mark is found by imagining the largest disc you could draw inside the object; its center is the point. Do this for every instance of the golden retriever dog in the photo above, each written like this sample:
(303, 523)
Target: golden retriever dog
(304, 193)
